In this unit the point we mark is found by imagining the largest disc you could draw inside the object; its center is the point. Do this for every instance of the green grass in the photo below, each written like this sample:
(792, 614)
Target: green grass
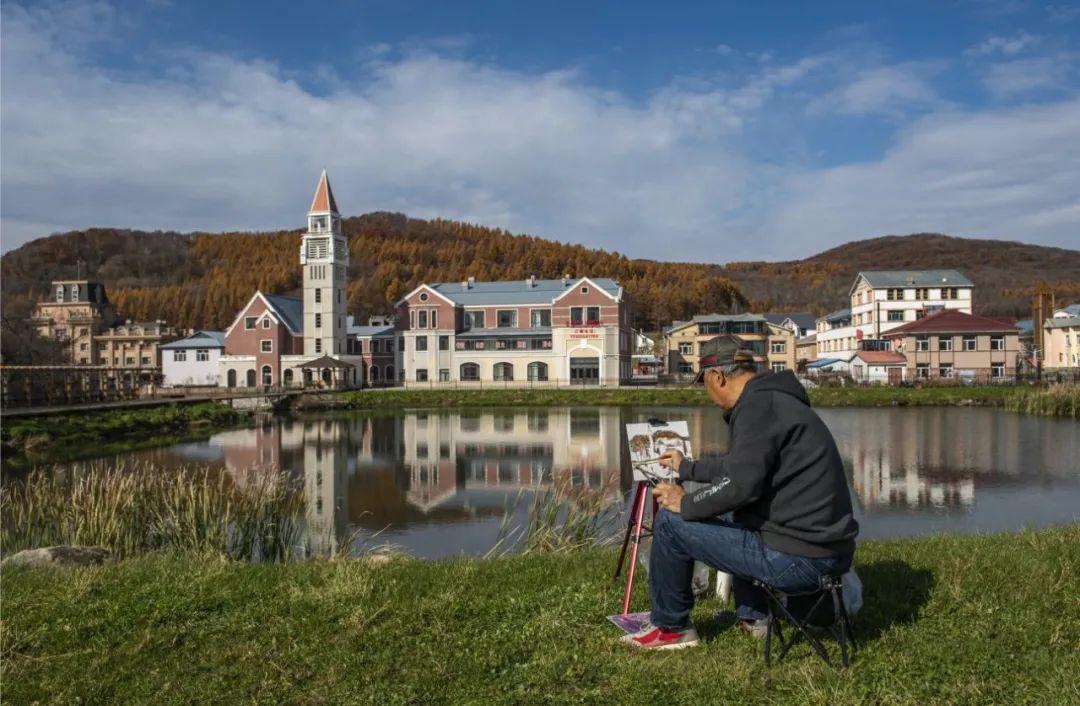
(880, 396)
(1053, 401)
(957, 619)
(26, 441)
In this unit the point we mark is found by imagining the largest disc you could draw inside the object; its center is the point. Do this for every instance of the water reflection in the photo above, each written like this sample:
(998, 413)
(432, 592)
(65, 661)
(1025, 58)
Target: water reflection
(439, 483)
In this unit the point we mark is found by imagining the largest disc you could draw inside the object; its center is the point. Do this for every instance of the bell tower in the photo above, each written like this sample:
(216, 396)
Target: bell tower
(324, 257)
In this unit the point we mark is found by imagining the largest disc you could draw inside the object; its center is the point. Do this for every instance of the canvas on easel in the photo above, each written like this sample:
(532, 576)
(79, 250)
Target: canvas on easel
(649, 441)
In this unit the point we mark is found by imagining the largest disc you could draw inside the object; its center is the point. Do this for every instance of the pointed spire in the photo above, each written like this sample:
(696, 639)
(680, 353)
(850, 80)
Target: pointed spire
(324, 197)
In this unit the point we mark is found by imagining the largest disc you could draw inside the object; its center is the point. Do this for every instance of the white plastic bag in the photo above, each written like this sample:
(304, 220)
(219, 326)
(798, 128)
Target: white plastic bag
(852, 588)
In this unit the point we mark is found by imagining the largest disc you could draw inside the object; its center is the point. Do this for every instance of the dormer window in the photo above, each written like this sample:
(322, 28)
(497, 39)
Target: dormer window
(60, 293)
(75, 292)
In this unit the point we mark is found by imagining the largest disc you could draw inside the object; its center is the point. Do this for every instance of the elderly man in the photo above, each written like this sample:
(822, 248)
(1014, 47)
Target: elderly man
(783, 481)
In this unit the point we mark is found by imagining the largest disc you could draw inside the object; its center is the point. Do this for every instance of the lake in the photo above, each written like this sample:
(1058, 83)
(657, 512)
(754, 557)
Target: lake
(439, 483)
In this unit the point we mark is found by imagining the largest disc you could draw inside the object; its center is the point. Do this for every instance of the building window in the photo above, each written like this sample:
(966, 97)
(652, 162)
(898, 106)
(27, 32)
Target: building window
(390, 345)
(60, 293)
(390, 374)
(576, 316)
(423, 296)
(538, 372)
(895, 315)
(444, 374)
(266, 322)
(685, 368)
(894, 294)
(249, 322)
(506, 318)
(421, 374)
(421, 318)
(318, 295)
(969, 343)
(373, 346)
(373, 373)
(778, 347)
(267, 375)
(540, 318)
(434, 318)
(504, 371)
(686, 348)
(74, 292)
(318, 345)
(922, 343)
(202, 355)
(922, 370)
(266, 345)
(922, 293)
(997, 343)
(179, 356)
(950, 293)
(997, 370)
(474, 319)
(944, 343)
(421, 343)
(470, 372)
(592, 315)
(779, 367)
(129, 361)
(945, 370)
(318, 320)
(444, 343)
(584, 290)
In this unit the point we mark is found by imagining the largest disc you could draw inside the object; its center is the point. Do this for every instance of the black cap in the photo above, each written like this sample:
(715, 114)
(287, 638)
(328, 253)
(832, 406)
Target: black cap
(723, 352)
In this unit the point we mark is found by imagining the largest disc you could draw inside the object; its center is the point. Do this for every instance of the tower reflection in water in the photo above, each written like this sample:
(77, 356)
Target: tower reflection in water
(370, 479)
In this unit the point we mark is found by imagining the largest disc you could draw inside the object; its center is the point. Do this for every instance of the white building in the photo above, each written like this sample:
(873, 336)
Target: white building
(193, 361)
(881, 300)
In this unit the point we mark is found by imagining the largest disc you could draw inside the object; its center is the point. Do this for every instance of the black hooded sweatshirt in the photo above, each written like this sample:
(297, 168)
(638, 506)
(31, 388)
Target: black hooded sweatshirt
(782, 474)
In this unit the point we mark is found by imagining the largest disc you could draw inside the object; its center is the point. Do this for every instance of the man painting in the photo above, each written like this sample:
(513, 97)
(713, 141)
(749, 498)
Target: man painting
(783, 481)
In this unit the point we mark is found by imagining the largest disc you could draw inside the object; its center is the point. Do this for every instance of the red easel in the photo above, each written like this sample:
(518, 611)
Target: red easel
(634, 531)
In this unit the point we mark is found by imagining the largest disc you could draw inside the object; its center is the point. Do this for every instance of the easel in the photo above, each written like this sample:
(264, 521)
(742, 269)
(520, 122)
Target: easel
(635, 530)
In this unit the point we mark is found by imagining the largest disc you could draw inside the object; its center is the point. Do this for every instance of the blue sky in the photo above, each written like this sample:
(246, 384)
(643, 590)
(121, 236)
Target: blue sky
(696, 131)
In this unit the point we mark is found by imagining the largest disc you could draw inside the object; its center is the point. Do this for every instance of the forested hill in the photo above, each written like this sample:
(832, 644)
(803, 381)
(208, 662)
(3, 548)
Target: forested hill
(1005, 273)
(201, 280)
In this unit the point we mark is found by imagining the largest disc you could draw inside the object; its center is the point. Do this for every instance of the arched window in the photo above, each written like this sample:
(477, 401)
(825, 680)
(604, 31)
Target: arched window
(389, 373)
(230, 378)
(267, 375)
(251, 378)
(504, 371)
(470, 371)
(538, 372)
(288, 376)
(374, 373)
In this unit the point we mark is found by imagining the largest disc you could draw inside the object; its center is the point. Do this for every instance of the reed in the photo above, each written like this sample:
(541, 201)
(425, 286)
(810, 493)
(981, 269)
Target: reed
(132, 508)
(559, 520)
(1054, 401)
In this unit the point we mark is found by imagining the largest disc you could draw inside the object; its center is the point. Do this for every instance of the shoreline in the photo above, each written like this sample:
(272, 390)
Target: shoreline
(176, 628)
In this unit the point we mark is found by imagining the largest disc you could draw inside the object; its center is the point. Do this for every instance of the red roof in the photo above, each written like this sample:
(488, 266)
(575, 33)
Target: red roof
(881, 358)
(952, 321)
(324, 196)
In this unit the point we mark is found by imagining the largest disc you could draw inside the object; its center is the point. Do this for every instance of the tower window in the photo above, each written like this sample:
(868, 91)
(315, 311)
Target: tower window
(318, 345)
(318, 320)
(318, 296)
(60, 293)
(318, 248)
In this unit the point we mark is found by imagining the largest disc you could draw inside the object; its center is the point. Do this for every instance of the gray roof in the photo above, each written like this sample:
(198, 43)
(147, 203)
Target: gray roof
(89, 291)
(1073, 309)
(824, 362)
(512, 292)
(720, 318)
(1063, 322)
(838, 315)
(497, 332)
(386, 330)
(914, 278)
(802, 319)
(1025, 325)
(290, 309)
(199, 339)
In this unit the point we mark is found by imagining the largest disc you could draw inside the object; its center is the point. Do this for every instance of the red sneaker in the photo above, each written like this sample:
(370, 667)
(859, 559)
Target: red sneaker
(653, 638)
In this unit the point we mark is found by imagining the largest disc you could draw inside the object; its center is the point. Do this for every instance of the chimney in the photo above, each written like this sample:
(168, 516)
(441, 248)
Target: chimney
(471, 281)
(531, 281)
(565, 280)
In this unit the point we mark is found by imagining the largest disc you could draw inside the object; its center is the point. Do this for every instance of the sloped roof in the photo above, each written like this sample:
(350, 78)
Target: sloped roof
(838, 315)
(720, 318)
(327, 362)
(1063, 322)
(199, 339)
(802, 319)
(914, 278)
(1073, 309)
(880, 358)
(324, 196)
(952, 321)
(514, 292)
(1025, 325)
(289, 309)
(370, 330)
(824, 362)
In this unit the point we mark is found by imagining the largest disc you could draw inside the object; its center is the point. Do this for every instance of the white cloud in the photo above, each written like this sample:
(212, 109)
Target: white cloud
(1008, 46)
(1012, 174)
(220, 143)
(1012, 78)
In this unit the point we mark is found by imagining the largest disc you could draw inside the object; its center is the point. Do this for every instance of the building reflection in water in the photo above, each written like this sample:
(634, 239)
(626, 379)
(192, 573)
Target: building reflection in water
(366, 475)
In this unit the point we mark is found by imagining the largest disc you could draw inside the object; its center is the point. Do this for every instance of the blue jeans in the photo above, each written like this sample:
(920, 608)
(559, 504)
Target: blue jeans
(728, 547)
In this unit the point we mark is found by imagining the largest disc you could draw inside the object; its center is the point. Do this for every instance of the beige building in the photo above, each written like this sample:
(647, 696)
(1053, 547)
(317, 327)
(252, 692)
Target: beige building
(773, 345)
(134, 346)
(954, 345)
(75, 312)
(806, 349)
(1061, 339)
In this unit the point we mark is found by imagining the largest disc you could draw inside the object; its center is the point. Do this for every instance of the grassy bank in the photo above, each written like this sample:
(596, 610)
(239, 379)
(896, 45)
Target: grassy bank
(1066, 400)
(33, 440)
(976, 619)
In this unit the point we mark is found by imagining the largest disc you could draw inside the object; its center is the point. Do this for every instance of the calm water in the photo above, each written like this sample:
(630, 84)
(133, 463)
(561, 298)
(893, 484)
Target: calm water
(439, 483)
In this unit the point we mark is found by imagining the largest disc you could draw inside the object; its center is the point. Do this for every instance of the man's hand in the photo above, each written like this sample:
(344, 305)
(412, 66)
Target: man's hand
(669, 495)
(671, 459)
